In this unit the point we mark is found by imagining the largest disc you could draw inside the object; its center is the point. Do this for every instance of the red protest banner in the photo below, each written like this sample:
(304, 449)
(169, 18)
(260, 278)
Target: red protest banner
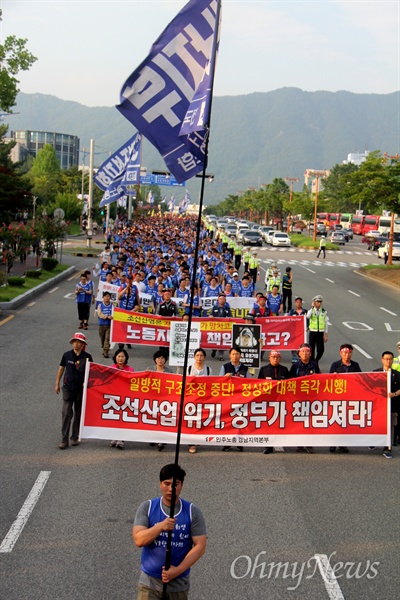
(277, 333)
(322, 410)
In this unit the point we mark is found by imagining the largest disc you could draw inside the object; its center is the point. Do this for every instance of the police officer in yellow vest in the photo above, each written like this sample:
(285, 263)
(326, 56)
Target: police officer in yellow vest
(246, 258)
(275, 279)
(231, 245)
(238, 256)
(254, 263)
(317, 319)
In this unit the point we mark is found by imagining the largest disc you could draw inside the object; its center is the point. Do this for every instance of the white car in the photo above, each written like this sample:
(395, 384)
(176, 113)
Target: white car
(382, 250)
(264, 230)
(268, 236)
(279, 238)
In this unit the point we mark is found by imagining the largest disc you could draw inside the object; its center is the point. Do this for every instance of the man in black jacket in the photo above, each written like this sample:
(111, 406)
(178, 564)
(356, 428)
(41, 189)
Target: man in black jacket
(167, 308)
(220, 310)
(394, 395)
(302, 368)
(274, 370)
(72, 371)
(234, 368)
(344, 365)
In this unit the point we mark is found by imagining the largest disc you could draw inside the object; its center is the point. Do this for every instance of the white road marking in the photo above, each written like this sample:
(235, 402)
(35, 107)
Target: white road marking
(364, 327)
(330, 280)
(69, 295)
(354, 294)
(308, 269)
(53, 290)
(328, 577)
(389, 328)
(362, 351)
(16, 528)
(388, 311)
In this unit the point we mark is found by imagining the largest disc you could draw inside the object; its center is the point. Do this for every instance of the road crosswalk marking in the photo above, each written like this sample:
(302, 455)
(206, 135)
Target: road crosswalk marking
(316, 263)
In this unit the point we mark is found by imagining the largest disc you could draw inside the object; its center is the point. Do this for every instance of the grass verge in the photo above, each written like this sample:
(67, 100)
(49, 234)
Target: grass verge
(8, 293)
(304, 241)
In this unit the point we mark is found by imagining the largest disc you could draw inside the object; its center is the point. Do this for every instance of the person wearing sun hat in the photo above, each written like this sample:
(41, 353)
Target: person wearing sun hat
(72, 371)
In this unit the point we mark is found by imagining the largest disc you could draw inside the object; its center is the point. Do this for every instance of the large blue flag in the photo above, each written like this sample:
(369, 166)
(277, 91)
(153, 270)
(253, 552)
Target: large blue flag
(157, 97)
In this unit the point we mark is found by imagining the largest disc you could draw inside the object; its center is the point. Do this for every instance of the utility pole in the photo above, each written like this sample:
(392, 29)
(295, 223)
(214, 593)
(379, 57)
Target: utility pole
(317, 175)
(291, 180)
(90, 199)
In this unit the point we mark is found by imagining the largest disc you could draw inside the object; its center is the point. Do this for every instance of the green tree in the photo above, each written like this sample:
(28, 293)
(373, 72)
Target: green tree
(49, 230)
(15, 192)
(376, 184)
(69, 203)
(337, 191)
(44, 174)
(14, 57)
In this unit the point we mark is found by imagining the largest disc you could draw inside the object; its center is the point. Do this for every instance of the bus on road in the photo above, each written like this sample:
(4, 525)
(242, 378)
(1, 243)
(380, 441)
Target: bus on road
(357, 224)
(371, 223)
(345, 220)
(384, 225)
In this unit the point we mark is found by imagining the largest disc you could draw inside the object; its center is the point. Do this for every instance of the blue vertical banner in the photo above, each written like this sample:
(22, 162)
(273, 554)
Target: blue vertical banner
(119, 170)
(167, 96)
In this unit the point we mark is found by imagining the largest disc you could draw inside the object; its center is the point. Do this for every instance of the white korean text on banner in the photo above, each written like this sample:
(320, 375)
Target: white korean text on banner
(321, 410)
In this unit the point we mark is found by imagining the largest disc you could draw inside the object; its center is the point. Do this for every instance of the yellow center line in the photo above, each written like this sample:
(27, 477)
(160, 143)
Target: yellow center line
(6, 320)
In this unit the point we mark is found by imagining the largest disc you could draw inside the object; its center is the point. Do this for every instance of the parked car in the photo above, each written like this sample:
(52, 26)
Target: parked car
(384, 249)
(252, 238)
(279, 238)
(338, 237)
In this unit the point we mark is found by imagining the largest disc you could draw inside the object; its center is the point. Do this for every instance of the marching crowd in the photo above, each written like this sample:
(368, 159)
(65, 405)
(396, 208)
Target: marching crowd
(155, 256)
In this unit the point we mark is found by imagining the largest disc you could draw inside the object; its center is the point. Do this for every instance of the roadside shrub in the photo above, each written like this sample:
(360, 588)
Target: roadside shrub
(34, 273)
(15, 281)
(49, 264)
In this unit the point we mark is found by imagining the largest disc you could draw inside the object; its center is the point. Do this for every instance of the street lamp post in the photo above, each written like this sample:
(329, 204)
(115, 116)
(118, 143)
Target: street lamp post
(317, 175)
(34, 200)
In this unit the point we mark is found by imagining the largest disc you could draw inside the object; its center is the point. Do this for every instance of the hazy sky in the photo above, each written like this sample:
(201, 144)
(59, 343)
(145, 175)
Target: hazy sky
(87, 48)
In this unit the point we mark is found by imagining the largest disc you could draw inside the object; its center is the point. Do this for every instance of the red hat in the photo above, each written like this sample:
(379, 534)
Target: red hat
(79, 337)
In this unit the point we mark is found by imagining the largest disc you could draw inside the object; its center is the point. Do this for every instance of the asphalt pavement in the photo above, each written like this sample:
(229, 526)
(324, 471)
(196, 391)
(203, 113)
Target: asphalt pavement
(273, 520)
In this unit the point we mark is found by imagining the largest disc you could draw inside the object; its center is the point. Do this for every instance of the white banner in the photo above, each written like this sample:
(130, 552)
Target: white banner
(178, 336)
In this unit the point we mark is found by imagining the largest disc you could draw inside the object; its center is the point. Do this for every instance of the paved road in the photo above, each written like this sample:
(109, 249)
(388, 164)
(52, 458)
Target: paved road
(285, 508)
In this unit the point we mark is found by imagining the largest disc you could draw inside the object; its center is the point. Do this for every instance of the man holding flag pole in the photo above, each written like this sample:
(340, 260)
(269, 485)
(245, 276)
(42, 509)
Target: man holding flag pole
(168, 99)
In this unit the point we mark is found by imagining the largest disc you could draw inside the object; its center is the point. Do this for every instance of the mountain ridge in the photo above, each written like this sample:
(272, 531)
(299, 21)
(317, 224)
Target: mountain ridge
(254, 137)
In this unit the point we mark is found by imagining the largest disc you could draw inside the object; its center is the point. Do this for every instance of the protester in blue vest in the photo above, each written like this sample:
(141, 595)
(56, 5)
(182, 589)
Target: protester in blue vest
(150, 532)
(104, 314)
(83, 292)
(128, 296)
